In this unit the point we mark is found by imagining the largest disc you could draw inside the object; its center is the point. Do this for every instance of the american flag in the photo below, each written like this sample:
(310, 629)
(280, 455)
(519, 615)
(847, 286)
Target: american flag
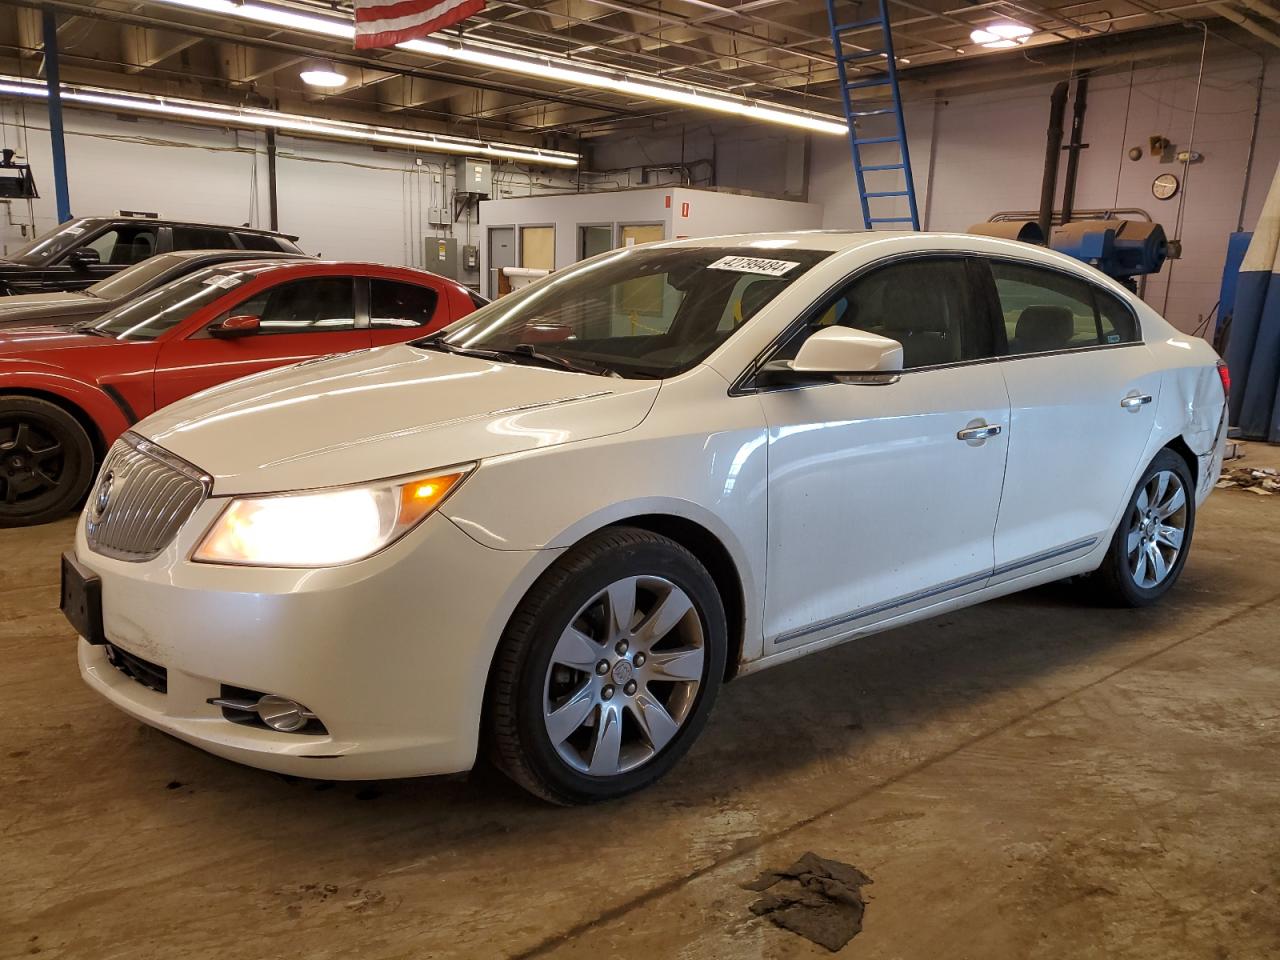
(384, 23)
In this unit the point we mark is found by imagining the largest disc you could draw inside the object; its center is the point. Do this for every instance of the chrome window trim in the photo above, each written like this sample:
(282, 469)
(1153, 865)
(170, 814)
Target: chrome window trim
(742, 385)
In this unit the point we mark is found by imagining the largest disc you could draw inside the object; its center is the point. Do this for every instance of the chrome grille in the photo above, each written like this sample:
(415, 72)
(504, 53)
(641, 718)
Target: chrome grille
(143, 495)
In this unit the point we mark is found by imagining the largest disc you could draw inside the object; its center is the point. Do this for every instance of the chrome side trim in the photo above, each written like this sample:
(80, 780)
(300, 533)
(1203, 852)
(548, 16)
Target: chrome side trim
(885, 607)
(1057, 553)
(1080, 546)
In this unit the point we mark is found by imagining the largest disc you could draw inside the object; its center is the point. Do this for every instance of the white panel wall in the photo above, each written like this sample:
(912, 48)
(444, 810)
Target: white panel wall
(342, 200)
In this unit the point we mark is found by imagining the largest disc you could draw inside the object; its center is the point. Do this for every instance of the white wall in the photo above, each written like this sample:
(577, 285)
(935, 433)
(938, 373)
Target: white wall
(343, 201)
(977, 154)
(682, 212)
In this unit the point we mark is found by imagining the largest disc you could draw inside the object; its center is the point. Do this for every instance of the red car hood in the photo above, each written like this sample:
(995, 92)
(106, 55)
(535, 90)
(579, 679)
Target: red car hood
(23, 341)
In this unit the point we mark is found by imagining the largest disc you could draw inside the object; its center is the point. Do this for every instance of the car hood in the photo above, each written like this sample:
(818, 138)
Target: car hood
(48, 308)
(385, 413)
(23, 340)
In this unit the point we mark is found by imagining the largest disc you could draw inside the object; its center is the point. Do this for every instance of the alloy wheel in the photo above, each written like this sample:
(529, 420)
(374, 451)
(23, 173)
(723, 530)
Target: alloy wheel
(624, 676)
(1157, 528)
(31, 459)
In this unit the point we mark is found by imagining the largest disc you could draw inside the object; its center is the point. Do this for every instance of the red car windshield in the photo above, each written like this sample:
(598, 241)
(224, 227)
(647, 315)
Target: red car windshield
(163, 308)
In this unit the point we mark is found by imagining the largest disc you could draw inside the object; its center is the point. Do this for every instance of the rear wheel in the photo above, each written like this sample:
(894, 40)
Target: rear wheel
(608, 669)
(46, 461)
(1151, 544)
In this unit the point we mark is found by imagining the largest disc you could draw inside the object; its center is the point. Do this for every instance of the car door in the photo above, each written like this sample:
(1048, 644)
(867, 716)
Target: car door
(1083, 389)
(883, 498)
(398, 311)
(300, 318)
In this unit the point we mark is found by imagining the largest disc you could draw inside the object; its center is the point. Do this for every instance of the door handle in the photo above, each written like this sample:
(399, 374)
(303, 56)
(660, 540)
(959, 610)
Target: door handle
(984, 432)
(1134, 401)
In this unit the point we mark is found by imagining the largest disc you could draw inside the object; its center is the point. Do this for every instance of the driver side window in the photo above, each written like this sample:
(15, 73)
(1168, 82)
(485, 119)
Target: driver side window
(125, 245)
(314, 305)
(929, 305)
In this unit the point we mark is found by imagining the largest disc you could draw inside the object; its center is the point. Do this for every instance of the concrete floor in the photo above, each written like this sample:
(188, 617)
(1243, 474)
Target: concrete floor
(1031, 778)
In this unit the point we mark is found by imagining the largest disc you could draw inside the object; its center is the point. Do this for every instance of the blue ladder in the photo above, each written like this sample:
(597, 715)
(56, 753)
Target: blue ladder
(874, 104)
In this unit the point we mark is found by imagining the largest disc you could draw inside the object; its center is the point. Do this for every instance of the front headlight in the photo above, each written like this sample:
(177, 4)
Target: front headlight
(323, 528)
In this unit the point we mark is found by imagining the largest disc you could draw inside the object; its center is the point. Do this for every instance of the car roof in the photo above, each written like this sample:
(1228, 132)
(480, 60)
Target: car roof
(168, 222)
(296, 263)
(176, 256)
(895, 241)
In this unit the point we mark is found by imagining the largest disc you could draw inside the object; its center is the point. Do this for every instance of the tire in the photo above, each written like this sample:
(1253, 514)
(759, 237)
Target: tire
(46, 461)
(567, 704)
(1127, 578)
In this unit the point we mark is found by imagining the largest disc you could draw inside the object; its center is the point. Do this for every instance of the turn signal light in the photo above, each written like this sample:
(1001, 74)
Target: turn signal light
(419, 498)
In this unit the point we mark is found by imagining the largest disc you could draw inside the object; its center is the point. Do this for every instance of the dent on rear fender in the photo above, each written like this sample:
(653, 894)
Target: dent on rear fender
(1196, 394)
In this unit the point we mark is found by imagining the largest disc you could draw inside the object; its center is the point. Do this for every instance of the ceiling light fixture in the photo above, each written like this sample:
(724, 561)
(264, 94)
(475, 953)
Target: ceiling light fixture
(537, 65)
(323, 74)
(999, 36)
(254, 117)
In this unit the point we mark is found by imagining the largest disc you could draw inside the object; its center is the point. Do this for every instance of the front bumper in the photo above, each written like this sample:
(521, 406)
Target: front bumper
(391, 653)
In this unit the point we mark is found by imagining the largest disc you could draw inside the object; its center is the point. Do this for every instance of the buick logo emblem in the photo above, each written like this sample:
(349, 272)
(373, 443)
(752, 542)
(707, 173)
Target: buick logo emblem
(103, 497)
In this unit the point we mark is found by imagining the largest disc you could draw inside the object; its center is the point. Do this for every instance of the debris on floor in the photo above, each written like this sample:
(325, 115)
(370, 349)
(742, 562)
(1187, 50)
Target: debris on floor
(1260, 480)
(819, 899)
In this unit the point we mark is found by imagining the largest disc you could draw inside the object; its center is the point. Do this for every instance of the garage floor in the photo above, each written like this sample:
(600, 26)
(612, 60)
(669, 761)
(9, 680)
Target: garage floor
(1030, 778)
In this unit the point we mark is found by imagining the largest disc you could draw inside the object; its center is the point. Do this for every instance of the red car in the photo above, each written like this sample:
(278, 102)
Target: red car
(67, 393)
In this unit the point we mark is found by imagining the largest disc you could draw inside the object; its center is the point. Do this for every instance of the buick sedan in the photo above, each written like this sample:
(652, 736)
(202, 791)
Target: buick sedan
(551, 532)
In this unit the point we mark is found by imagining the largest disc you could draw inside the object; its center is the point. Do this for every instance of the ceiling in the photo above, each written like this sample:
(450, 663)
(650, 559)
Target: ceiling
(773, 51)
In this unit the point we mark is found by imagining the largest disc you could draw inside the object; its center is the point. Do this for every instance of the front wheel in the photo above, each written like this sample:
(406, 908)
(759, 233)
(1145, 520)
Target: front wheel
(1150, 546)
(46, 461)
(608, 668)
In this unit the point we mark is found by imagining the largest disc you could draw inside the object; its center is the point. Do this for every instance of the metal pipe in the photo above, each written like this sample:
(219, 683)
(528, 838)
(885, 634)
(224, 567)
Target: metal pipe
(1076, 145)
(272, 205)
(1253, 144)
(56, 139)
(1052, 150)
(1240, 20)
(1257, 6)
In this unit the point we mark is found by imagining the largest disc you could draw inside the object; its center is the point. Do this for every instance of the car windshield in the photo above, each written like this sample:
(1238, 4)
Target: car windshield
(647, 312)
(135, 278)
(49, 245)
(163, 308)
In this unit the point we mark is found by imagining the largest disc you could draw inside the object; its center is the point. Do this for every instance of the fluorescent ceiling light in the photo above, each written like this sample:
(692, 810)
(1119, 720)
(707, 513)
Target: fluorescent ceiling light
(323, 74)
(123, 100)
(537, 65)
(999, 36)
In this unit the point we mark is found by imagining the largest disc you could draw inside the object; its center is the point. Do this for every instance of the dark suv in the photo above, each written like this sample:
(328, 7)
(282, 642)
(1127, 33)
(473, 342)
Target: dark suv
(83, 251)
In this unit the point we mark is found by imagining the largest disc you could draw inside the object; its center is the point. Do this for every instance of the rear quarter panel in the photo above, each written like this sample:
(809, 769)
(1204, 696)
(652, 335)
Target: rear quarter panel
(1192, 405)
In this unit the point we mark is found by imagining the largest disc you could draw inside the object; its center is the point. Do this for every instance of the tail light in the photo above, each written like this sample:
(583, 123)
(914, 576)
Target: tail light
(1224, 374)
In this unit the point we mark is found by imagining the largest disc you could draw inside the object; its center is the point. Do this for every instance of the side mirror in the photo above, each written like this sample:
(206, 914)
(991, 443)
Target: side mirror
(839, 354)
(84, 257)
(233, 327)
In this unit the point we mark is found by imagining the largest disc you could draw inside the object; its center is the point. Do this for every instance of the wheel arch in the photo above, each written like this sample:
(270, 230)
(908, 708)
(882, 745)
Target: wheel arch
(1179, 446)
(715, 556)
(82, 416)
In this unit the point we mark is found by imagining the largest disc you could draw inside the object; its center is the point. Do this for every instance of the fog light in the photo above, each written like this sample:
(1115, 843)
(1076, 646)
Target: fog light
(282, 714)
(278, 713)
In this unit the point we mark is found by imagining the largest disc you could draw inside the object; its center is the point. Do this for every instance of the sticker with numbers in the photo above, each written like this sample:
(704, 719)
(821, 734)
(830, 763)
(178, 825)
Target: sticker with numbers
(769, 268)
(225, 280)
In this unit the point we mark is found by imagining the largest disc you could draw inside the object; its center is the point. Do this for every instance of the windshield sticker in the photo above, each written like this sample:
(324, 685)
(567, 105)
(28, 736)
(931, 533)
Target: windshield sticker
(74, 231)
(769, 268)
(226, 280)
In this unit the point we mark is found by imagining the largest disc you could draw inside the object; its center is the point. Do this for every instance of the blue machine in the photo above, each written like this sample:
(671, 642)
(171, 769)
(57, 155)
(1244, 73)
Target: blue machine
(1122, 249)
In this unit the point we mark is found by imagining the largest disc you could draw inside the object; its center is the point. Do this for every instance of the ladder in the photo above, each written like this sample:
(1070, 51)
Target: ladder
(863, 98)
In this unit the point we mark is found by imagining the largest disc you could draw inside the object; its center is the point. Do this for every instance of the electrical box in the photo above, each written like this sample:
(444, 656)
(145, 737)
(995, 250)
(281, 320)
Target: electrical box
(473, 176)
(438, 216)
(440, 255)
(471, 258)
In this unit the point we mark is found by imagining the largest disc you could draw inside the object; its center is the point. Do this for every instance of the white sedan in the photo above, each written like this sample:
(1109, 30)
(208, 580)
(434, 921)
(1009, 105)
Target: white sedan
(554, 530)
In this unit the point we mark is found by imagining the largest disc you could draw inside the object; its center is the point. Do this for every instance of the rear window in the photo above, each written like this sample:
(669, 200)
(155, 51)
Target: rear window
(259, 241)
(200, 238)
(394, 304)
